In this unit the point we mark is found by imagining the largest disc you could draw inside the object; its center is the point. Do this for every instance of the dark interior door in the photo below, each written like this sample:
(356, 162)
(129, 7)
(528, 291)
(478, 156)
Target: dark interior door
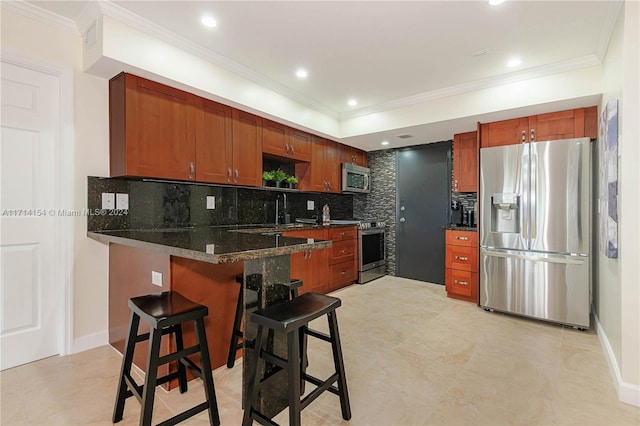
(423, 189)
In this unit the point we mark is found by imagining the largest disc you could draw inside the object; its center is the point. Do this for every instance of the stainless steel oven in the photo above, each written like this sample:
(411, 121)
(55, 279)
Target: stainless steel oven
(372, 258)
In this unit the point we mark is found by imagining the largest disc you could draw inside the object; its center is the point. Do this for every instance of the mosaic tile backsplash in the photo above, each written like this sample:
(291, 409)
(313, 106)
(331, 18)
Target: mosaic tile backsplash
(162, 204)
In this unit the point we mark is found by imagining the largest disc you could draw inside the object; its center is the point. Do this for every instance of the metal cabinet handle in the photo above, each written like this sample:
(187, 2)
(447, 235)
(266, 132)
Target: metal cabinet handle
(237, 175)
(343, 273)
(343, 251)
(310, 253)
(286, 145)
(460, 282)
(343, 233)
(293, 152)
(524, 136)
(464, 259)
(462, 238)
(192, 170)
(533, 133)
(229, 172)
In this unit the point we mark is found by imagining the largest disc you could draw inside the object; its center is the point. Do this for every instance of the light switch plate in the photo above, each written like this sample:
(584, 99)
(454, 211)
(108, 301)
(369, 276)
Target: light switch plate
(211, 202)
(310, 205)
(108, 201)
(156, 278)
(210, 249)
(122, 201)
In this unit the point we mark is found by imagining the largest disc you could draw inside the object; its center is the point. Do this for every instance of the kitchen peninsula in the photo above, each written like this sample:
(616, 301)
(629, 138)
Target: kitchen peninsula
(202, 263)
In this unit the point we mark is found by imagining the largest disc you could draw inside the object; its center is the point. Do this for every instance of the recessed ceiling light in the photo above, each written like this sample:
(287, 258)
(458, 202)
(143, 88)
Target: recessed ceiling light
(208, 21)
(495, 2)
(301, 73)
(352, 102)
(385, 143)
(514, 62)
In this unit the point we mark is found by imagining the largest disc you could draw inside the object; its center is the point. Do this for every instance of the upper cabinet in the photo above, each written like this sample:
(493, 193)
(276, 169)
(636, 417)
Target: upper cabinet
(247, 152)
(214, 142)
(353, 155)
(575, 123)
(151, 129)
(465, 162)
(323, 172)
(286, 142)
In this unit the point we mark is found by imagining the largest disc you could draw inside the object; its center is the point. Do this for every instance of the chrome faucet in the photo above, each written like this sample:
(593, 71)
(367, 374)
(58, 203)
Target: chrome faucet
(284, 208)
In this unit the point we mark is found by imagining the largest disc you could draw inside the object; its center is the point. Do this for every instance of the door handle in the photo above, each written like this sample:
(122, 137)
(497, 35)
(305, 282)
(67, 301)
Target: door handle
(460, 282)
(237, 175)
(229, 177)
(192, 170)
(403, 220)
(533, 133)
(293, 152)
(462, 238)
(286, 145)
(464, 259)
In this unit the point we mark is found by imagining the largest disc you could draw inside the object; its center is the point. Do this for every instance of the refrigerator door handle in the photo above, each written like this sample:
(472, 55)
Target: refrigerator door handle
(533, 192)
(526, 195)
(568, 260)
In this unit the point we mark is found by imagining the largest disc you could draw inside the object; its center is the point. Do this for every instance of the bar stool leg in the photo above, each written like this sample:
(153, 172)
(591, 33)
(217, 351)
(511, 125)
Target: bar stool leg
(235, 333)
(293, 353)
(207, 377)
(182, 370)
(127, 360)
(148, 393)
(254, 381)
(339, 364)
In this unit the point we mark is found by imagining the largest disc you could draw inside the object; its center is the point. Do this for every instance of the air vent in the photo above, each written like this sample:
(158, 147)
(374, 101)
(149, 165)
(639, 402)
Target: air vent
(404, 136)
(480, 52)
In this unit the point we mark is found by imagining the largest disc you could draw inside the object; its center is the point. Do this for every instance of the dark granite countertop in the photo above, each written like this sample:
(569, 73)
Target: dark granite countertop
(461, 228)
(219, 244)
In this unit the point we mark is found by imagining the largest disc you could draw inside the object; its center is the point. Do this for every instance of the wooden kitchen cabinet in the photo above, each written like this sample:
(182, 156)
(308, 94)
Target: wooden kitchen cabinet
(310, 266)
(151, 129)
(214, 142)
(353, 155)
(247, 149)
(323, 271)
(461, 262)
(322, 173)
(465, 162)
(284, 141)
(575, 123)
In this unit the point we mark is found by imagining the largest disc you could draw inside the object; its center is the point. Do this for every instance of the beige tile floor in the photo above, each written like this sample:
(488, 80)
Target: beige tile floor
(412, 356)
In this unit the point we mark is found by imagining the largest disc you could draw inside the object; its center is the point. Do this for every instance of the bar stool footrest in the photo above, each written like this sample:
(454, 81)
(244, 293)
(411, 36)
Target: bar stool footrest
(185, 415)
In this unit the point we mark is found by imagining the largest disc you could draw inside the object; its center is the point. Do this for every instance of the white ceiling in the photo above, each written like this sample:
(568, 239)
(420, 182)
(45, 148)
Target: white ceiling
(381, 52)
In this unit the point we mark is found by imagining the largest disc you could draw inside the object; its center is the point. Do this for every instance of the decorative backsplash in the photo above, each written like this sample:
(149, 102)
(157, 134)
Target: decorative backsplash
(164, 204)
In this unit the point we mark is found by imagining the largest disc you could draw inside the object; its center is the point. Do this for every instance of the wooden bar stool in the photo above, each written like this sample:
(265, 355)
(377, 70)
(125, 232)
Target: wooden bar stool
(236, 333)
(165, 313)
(292, 318)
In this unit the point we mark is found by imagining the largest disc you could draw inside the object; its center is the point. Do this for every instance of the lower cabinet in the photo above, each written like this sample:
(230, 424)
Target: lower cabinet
(461, 273)
(324, 271)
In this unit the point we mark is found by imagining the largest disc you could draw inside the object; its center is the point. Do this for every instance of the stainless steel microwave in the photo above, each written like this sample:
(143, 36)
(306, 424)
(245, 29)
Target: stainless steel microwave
(355, 178)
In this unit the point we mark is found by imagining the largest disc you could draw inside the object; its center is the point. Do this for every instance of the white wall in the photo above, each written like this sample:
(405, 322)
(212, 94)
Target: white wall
(616, 285)
(60, 48)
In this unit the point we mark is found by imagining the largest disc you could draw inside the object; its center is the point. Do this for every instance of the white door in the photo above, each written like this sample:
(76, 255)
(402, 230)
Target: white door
(29, 300)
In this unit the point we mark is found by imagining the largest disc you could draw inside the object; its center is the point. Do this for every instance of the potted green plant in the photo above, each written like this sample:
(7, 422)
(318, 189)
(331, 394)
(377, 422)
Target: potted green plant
(291, 180)
(266, 178)
(278, 177)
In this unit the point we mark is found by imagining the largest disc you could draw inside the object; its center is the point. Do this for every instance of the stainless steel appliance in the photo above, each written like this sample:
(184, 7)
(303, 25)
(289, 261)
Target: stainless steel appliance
(535, 220)
(355, 178)
(372, 255)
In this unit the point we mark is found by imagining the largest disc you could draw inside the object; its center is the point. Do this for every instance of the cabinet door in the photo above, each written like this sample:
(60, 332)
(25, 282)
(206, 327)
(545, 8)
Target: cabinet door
(360, 157)
(151, 129)
(275, 138)
(465, 162)
(332, 166)
(299, 145)
(247, 149)
(506, 132)
(557, 125)
(313, 174)
(214, 142)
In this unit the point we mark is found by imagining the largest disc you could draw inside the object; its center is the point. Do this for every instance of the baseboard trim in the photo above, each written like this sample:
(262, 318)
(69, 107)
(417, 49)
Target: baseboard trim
(627, 392)
(90, 341)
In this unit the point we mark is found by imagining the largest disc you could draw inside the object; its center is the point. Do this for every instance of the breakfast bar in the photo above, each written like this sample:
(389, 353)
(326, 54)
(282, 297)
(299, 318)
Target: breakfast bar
(201, 261)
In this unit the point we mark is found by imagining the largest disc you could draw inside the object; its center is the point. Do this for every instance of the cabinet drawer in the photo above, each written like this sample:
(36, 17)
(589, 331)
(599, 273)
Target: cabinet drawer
(342, 273)
(462, 257)
(462, 283)
(343, 251)
(462, 238)
(343, 233)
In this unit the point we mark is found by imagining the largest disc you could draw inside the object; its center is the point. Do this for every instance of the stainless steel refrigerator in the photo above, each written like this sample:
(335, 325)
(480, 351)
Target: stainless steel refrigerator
(535, 223)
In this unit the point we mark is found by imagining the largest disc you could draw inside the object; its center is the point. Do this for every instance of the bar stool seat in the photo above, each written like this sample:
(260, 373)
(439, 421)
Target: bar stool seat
(165, 312)
(236, 333)
(292, 319)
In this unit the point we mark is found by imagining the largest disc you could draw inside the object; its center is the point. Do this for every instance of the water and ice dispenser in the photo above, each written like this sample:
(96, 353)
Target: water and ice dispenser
(505, 212)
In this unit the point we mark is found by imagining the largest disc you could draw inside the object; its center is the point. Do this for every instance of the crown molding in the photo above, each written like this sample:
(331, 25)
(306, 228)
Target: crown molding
(607, 28)
(139, 23)
(542, 71)
(43, 16)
